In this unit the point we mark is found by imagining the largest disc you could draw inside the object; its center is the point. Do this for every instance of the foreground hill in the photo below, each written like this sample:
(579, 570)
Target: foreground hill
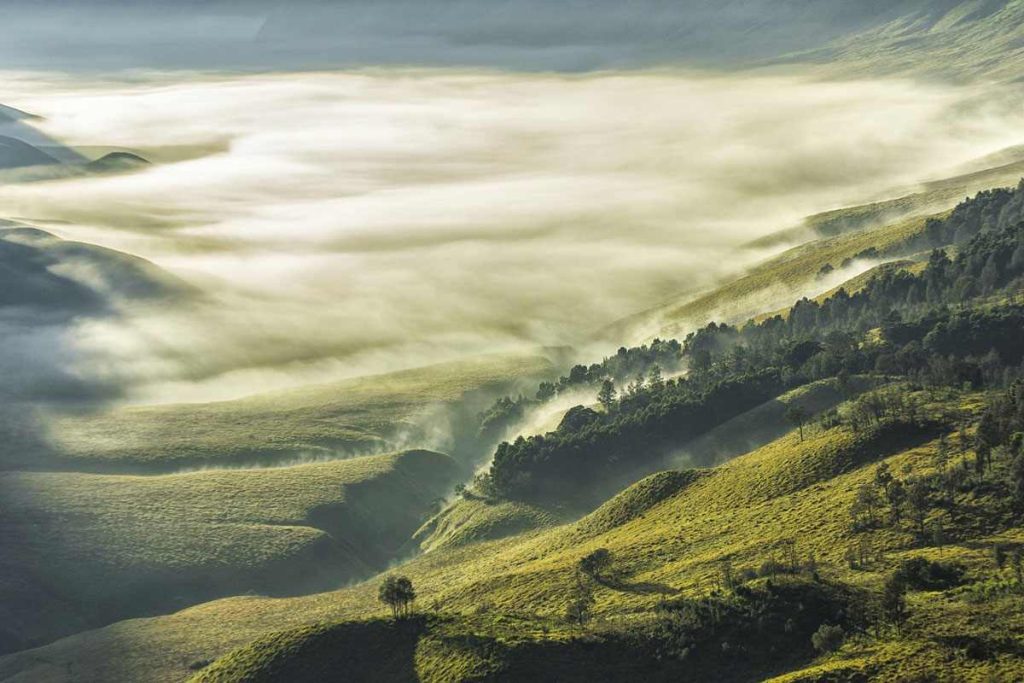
(669, 546)
(83, 549)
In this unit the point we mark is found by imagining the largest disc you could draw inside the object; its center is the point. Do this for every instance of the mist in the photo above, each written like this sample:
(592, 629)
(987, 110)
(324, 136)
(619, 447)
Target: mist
(354, 222)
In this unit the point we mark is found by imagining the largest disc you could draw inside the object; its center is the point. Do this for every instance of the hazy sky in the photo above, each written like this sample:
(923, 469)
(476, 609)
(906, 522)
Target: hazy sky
(360, 221)
(565, 35)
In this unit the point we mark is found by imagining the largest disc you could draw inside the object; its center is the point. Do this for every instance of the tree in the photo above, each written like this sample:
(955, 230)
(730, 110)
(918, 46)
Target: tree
(896, 493)
(606, 396)
(920, 504)
(397, 593)
(798, 416)
(597, 564)
(828, 638)
(894, 602)
(581, 600)
(867, 501)
(655, 379)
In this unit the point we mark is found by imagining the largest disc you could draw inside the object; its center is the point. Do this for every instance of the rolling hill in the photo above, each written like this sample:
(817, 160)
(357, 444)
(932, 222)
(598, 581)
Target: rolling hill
(504, 595)
(82, 550)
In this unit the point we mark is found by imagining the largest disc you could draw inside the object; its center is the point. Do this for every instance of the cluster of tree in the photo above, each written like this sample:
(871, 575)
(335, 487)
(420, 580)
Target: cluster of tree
(638, 363)
(927, 336)
(592, 451)
(398, 594)
(989, 211)
(996, 468)
(782, 560)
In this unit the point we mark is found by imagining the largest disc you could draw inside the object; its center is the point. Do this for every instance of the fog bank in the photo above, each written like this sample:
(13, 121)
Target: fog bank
(355, 222)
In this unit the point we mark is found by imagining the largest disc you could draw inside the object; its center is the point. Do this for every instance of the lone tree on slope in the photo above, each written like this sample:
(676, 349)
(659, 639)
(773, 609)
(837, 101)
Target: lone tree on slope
(798, 416)
(397, 593)
(597, 564)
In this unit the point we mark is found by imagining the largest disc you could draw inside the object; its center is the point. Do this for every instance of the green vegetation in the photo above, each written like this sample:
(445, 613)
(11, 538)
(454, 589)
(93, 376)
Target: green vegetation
(862, 520)
(474, 519)
(97, 548)
(512, 592)
(735, 369)
(351, 417)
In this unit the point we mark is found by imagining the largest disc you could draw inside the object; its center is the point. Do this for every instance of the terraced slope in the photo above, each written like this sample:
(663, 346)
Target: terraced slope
(81, 550)
(670, 545)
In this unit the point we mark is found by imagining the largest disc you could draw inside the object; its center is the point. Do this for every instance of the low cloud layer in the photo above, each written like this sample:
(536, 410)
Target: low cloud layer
(364, 221)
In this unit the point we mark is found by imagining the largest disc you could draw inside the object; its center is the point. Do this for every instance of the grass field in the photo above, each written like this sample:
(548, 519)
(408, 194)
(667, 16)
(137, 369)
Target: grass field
(351, 417)
(668, 537)
(86, 549)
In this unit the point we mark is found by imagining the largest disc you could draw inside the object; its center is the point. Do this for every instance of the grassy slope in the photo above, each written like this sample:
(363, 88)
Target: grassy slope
(764, 423)
(1000, 170)
(85, 549)
(468, 521)
(669, 543)
(772, 284)
(353, 416)
(834, 236)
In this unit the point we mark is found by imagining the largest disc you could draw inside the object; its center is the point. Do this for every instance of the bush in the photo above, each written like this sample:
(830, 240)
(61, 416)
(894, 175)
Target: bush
(828, 638)
(920, 574)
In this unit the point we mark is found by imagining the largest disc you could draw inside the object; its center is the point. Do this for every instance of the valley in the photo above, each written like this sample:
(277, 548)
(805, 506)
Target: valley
(435, 342)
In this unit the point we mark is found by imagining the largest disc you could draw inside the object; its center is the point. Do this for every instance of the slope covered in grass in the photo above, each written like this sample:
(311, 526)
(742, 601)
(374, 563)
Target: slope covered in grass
(742, 511)
(86, 549)
(774, 283)
(468, 521)
(353, 416)
(767, 421)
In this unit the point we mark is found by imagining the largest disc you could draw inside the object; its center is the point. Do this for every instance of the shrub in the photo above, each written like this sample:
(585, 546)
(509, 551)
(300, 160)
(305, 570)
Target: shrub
(920, 574)
(828, 638)
(597, 564)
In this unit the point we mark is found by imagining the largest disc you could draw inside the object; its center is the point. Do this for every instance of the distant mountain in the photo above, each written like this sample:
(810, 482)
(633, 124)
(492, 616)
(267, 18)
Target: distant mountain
(522, 34)
(117, 162)
(17, 154)
(39, 271)
(23, 145)
(966, 40)
(12, 114)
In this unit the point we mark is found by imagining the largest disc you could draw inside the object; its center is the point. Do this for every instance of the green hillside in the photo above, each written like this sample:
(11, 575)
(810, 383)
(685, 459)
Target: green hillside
(470, 520)
(772, 284)
(825, 239)
(514, 590)
(84, 549)
(766, 422)
(353, 416)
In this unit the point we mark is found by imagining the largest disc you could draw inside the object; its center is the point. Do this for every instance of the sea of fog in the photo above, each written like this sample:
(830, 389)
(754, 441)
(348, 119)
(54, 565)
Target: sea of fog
(344, 223)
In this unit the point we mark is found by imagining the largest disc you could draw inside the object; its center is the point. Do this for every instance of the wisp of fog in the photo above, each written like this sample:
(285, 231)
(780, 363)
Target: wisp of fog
(345, 223)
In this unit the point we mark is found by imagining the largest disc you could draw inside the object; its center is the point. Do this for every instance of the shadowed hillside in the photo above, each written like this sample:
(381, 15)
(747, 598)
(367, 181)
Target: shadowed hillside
(82, 550)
